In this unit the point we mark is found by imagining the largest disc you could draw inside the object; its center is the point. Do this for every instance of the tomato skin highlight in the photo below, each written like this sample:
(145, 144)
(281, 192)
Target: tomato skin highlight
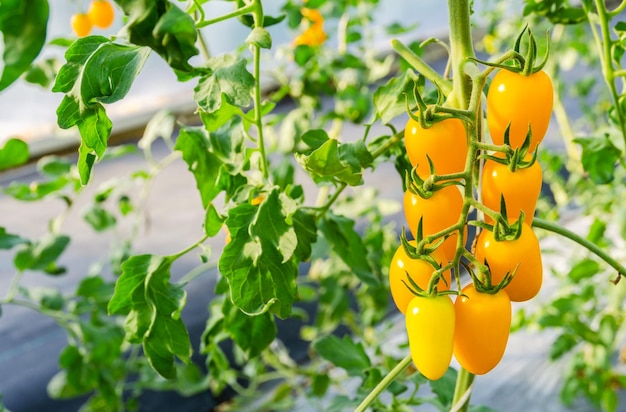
(483, 323)
(445, 142)
(420, 271)
(520, 189)
(504, 256)
(430, 325)
(81, 25)
(101, 13)
(519, 100)
(438, 212)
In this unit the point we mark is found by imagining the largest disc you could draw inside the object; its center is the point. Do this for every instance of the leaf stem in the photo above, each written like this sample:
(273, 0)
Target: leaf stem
(402, 365)
(421, 66)
(249, 8)
(461, 49)
(462, 391)
(592, 247)
(258, 110)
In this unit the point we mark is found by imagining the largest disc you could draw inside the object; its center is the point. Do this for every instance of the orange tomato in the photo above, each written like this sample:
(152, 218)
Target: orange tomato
(483, 323)
(438, 212)
(420, 271)
(81, 25)
(506, 255)
(101, 13)
(444, 142)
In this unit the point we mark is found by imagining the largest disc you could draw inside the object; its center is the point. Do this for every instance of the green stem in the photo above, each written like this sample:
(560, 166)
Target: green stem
(617, 10)
(592, 247)
(258, 115)
(249, 8)
(384, 383)
(461, 49)
(395, 139)
(462, 391)
(421, 66)
(605, 44)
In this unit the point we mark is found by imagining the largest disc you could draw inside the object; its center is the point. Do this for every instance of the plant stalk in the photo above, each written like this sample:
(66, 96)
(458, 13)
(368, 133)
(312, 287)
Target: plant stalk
(462, 391)
(371, 397)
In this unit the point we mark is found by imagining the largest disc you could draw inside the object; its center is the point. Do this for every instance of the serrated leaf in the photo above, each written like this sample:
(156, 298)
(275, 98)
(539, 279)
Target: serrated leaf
(343, 353)
(251, 333)
(598, 158)
(152, 306)
(24, 25)
(229, 79)
(348, 245)
(205, 166)
(13, 153)
(390, 99)
(258, 262)
(325, 164)
(162, 26)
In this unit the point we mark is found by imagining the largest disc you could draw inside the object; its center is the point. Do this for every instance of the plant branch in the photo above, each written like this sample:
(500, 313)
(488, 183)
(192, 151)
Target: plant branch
(592, 247)
(402, 365)
(421, 66)
(462, 391)
(249, 8)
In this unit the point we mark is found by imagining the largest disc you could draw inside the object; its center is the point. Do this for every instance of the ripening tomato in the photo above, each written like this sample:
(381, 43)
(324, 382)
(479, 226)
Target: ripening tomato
(483, 323)
(521, 101)
(81, 25)
(430, 327)
(445, 142)
(520, 189)
(504, 256)
(438, 212)
(420, 271)
(101, 13)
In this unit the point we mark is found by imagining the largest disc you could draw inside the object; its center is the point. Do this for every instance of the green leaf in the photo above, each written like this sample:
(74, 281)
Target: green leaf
(390, 98)
(343, 353)
(24, 25)
(42, 73)
(162, 26)
(36, 190)
(213, 221)
(260, 37)
(54, 166)
(596, 231)
(563, 344)
(320, 384)
(76, 55)
(99, 218)
(202, 162)
(214, 120)
(109, 72)
(252, 334)
(598, 158)
(583, 269)
(8, 240)
(229, 79)
(443, 387)
(330, 163)
(13, 153)
(259, 261)
(348, 245)
(42, 254)
(152, 306)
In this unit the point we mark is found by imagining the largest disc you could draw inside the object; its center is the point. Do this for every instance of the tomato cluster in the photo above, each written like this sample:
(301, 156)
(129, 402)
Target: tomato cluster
(505, 265)
(100, 14)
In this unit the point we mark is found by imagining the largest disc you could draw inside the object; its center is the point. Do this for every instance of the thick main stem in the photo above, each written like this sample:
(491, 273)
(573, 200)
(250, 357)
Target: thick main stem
(463, 97)
(461, 48)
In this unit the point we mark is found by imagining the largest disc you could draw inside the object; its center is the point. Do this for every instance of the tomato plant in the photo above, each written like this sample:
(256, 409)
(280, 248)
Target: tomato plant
(283, 143)
(519, 102)
(482, 328)
(430, 325)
